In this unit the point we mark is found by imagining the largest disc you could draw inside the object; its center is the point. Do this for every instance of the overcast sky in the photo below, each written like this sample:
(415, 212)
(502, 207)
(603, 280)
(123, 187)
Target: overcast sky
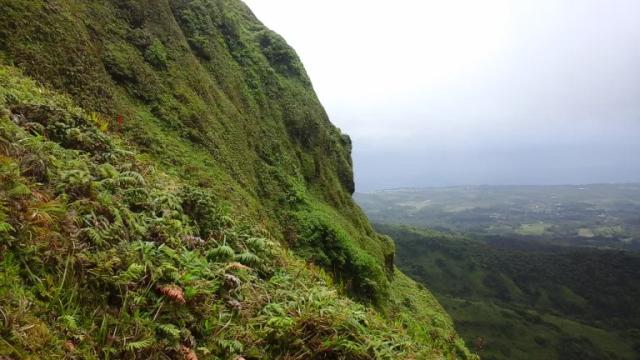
(459, 92)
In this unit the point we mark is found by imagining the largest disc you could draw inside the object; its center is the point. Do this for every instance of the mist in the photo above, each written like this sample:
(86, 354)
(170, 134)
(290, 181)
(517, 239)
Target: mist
(439, 93)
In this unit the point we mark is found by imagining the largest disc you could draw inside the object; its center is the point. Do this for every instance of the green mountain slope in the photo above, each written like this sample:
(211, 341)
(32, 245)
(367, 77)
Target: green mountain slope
(167, 176)
(544, 302)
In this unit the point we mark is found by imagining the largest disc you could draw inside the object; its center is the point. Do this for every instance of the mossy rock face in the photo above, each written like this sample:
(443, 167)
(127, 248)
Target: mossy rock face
(189, 125)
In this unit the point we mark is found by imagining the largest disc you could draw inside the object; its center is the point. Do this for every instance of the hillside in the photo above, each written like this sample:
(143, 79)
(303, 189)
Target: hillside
(539, 302)
(171, 187)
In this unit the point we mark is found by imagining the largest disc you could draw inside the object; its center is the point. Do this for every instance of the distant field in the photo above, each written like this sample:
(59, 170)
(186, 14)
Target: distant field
(600, 215)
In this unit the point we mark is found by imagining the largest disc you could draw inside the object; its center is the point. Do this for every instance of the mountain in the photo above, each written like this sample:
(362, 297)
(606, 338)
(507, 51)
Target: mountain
(171, 187)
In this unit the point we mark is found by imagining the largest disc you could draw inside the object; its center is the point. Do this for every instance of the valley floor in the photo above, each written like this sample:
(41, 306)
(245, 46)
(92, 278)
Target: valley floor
(540, 302)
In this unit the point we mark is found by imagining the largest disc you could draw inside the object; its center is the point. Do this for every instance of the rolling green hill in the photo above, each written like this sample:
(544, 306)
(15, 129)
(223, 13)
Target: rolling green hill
(171, 187)
(542, 302)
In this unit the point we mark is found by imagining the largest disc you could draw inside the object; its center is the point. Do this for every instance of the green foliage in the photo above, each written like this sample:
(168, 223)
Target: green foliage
(156, 54)
(222, 253)
(322, 242)
(202, 206)
(280, 55)
(170, 330)
(134, 346)
(113, 258)
(509, 298)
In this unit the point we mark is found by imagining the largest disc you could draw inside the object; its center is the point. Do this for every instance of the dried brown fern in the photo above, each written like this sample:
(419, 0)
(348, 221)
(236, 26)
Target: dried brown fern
(188, 354)
(173, 292)
(231, 281)
(69, 346)
(237, 266)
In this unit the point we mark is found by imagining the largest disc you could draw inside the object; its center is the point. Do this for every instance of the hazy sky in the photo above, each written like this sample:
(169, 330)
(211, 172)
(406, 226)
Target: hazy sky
(454, 92)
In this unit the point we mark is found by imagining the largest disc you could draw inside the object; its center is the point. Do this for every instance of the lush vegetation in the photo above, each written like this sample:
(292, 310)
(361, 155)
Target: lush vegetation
(601, 215)
(195, 86)
(525, 271)
(168, 181)
(541, 301)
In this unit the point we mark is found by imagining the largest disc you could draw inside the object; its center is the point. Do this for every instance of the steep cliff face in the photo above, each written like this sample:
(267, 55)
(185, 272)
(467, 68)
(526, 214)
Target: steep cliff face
(207, 90)
(181, 125)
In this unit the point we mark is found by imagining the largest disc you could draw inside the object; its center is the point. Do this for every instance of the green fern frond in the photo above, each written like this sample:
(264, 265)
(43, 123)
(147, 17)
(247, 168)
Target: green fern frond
(6, 228)
(133, 274)
(170, 330)
(52, 209)
(130, 178)
(107, 171)
(140, 344)
(135, 195)
(222, 253)
(280, 322)
(231, 346)
(69, 322)
(19, 190)
(165, 201)
(261, 246)
(98, 121)
(249, 259)
(94, 235)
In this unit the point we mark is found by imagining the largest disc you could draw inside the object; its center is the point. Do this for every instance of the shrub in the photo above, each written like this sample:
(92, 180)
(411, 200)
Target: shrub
(206, 211)
(282, 57)
(156, 54)
(322, 242)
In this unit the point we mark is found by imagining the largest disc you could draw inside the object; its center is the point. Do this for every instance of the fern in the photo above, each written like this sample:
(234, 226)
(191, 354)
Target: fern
(230, 346)
(78, 183)
(98, 121)
(170, 330)
(258, 245)
(107, 171)
(140, 344)
(274, 309)
(280, 323)
(6, 227)
(222, 253)
(135, 195)
(69, 322)
(133, 274)
(248, 259)
(350, 347)
(94, 235)
(130, 178)
(19, 190)
(45, 213)
(169, 252)
(162, 201)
